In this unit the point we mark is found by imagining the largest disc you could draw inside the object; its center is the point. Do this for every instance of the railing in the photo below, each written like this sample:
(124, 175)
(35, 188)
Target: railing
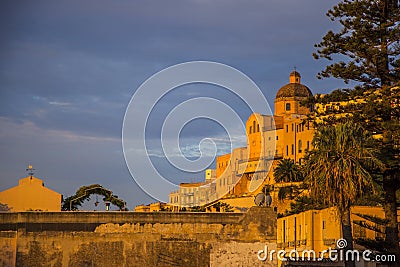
(249, 160)
(296, 243)
(258, 159)
(329, 241)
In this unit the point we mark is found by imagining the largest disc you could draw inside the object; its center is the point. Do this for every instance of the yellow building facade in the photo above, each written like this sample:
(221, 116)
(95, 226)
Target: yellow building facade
(241, 174)
(31, 195)
(319, 230)
(153, 207)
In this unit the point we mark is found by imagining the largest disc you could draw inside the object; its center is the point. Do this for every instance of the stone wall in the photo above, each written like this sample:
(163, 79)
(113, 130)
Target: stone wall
(136, 239)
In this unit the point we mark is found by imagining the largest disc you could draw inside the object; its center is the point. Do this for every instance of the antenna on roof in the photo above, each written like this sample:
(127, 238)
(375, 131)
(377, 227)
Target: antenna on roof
(30, 170)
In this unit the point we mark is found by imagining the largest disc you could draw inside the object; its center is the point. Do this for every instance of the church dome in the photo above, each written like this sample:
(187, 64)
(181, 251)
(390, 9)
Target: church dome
(294, 88)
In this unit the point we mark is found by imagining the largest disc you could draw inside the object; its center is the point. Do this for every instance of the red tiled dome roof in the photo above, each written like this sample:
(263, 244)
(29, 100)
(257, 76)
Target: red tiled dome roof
(293, 90)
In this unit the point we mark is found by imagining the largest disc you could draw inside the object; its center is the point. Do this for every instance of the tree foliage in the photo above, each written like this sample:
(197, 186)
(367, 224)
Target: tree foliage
(222, 207)
(337, 171)
(368, 44)
(367, 50)
(84, 193)
(304, 203)
(4, 207)
(339, 162)
(287, 171)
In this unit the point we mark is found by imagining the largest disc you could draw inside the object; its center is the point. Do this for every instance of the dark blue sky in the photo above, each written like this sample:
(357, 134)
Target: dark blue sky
(69, 68)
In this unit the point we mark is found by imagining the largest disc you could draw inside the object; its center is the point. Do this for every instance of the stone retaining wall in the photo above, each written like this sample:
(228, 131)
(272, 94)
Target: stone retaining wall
(136, 239)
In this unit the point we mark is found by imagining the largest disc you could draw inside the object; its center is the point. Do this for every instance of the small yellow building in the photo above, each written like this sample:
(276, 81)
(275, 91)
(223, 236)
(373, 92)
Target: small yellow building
(142, 208)
(319, 230)
(31, 194)
(156, 206)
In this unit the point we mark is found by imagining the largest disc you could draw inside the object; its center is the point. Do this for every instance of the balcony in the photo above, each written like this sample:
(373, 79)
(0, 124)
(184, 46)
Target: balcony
(330, 241)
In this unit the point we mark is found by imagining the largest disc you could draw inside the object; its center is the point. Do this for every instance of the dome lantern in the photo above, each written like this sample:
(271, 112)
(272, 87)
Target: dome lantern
(294, 88)
(294, 77)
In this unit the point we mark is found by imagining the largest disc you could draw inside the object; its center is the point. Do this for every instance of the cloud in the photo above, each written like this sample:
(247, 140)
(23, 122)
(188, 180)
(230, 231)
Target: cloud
(64, 160)
(63, 104)
(69, 68)
(26, 129)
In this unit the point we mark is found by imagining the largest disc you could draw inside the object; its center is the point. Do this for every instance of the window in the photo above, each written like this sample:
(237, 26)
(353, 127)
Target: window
(284, 231)
(292, 149)
(254, 126)
(250, 129)
(287, 128)
(287, 106)
(308, 145)
(277, 137)
(287, 150)
(258, 127)
(359, 231)
(300, 146)
(300, 231)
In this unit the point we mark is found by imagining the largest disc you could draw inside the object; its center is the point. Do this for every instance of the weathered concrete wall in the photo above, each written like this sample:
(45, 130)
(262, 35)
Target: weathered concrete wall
(136, 239)
(8, 248)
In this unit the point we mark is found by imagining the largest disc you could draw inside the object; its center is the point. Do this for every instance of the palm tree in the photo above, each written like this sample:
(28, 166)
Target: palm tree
(336, 170)
(287, 171)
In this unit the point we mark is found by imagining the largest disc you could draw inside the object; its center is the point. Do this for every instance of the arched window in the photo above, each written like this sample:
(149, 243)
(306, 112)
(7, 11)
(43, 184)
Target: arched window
(287, 106)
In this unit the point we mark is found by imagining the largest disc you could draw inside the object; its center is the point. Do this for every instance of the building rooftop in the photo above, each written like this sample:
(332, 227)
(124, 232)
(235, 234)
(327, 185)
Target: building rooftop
(294, 88)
